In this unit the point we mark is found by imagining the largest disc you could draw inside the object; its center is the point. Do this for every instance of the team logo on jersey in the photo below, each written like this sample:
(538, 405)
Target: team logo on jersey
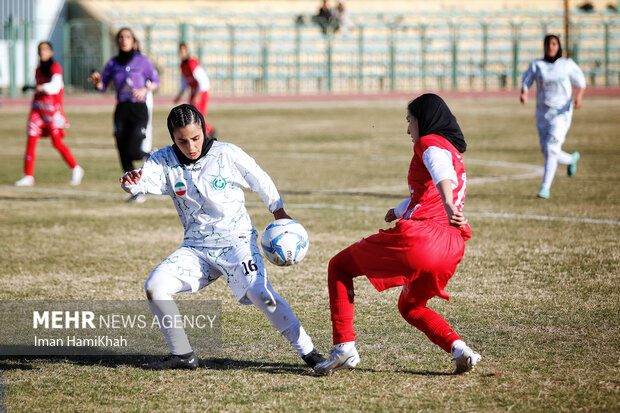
(219, 183)
(180, 189)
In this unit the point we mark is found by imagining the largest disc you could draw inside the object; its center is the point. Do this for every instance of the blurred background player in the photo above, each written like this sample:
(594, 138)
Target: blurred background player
(555, 76)
(421, 251)
(47, 116)
(205, 178)
(134, 76)
(147, 142)
(194, 76)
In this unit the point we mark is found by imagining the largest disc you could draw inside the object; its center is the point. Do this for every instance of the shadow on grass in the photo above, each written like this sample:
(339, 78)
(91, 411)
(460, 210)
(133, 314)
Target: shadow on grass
(141, 360)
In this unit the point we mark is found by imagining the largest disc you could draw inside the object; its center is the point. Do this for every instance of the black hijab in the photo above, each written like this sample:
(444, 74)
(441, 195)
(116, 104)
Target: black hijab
(46, 67)
(552, 59)
(125, 57)
(184, 115)
(434, 117)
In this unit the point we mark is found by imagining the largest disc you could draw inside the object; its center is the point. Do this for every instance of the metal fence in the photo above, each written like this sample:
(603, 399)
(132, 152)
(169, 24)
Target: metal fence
(247, 54)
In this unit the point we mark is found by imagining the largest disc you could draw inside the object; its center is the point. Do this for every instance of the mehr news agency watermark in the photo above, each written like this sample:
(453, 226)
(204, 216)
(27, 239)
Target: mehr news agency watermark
(105, 327)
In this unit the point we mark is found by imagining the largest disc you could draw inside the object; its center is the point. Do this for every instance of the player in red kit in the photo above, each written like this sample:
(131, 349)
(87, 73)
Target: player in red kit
(194, 76)
(421, 252)
(47, 117)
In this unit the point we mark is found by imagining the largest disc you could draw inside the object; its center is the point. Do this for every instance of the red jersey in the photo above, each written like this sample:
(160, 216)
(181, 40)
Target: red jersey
(188, 67)
(47, 109)
(425, 202)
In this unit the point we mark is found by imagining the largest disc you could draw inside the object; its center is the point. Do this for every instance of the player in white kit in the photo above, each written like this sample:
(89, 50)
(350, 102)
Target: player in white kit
(555, 76)
(205, 179)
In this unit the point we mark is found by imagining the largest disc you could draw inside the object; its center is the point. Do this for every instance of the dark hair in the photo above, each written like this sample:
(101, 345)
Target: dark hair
(181, 116)
(184, 115)
(182, 44)
(47, 43)
(546, 43)
(118, 33)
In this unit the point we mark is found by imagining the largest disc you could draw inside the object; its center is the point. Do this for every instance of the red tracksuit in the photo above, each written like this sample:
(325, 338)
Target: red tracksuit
(420, 253)
(47, 118)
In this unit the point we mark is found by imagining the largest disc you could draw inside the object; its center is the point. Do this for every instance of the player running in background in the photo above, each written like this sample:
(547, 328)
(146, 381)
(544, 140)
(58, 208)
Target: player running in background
(421, 251)
(194, 76)
(554, 77)
(47, 116)
(205, 178)
(134, 76)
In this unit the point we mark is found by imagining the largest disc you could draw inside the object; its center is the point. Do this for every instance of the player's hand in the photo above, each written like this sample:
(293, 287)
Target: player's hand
(390, 216)
(455, 217)
(140, 94)
(281, 214)
(523, 97)
(578, 102)
(131, 177)
(95, 77)
(39, 88)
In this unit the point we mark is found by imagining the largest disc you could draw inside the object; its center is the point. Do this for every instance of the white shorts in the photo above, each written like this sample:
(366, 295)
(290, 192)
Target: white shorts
(197, 267)
(553, 125)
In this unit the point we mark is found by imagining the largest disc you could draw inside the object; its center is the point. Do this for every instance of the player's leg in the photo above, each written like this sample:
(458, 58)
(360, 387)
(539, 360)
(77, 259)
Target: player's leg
(137, 131)
(184, 271)
(122, 126)
(77, 172)
(341, 271)
(557, 128)
(247, 278)
(203, 104)
(35, 130)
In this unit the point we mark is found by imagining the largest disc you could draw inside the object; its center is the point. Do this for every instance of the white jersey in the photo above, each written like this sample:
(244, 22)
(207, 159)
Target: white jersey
(208, 194)
(554, 82)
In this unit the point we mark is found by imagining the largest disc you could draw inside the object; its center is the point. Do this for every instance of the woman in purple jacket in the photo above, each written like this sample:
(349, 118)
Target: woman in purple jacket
(134, 76)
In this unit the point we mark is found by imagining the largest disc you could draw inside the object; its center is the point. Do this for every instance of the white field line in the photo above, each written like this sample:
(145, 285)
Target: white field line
(534, 171)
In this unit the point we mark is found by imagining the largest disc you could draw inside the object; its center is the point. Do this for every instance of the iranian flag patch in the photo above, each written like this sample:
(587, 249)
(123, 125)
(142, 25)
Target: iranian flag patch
(180, 189)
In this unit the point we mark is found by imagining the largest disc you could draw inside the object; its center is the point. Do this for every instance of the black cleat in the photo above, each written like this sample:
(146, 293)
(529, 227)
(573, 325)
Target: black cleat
(313, 358)
(172, 361)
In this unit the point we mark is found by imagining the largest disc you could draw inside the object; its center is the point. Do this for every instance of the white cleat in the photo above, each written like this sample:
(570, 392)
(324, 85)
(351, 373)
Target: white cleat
(27, 180)
(466, 361)
(77, 174)
(342, 356)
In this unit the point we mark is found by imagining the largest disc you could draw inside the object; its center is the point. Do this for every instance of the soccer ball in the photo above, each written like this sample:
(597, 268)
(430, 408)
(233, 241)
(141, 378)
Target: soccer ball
(285, 242)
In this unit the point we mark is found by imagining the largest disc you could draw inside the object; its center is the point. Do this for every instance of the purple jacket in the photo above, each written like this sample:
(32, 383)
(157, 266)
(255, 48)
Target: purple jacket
(127, 78)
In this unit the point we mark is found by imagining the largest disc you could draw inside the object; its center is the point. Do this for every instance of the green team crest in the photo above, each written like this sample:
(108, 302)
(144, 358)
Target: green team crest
(219, 183)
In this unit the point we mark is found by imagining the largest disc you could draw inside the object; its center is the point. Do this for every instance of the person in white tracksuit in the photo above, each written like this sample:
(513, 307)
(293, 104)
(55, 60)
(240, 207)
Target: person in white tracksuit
(205, 179)
(555, 76)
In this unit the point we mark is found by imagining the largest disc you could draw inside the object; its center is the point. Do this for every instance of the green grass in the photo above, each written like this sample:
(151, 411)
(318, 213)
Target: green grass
(537, 298)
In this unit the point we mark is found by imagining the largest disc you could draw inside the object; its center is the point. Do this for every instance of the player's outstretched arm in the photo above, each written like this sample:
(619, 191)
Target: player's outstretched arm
(281, 214)
(131, 177)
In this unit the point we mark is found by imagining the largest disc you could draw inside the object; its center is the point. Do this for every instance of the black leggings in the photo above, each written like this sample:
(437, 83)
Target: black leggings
(130, 120)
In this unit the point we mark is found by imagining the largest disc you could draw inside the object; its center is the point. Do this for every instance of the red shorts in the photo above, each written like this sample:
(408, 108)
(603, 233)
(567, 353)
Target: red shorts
(203, 102)
(420, 252)
(41, 123)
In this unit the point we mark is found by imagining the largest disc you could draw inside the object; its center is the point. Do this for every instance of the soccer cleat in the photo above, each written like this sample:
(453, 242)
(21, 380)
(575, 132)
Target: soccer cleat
(27, 180)
(77, 174)
(543, 193)
(342, 356)
(466, 361)
(313, 358)
(571, 170)
(172, 361)
(137, 199)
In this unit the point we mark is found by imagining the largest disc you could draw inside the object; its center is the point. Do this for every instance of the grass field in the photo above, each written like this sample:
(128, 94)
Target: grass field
(536, 294)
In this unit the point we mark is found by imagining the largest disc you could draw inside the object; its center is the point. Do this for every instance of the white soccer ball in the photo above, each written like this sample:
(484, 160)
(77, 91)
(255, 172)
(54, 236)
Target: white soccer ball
(285, 242)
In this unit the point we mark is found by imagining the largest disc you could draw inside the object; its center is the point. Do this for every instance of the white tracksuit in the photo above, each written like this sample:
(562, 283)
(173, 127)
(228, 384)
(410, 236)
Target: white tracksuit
(220, 238)
(554, 108)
